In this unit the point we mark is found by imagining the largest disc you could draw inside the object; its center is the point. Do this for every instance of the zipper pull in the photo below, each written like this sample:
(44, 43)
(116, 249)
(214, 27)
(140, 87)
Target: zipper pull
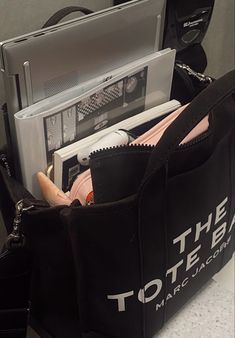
(90, 198)
(199, 76)
(3, 159)
(16, 239)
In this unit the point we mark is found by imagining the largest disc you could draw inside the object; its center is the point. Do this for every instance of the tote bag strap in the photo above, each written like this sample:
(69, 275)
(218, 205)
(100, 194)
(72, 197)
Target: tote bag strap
(15, 265)
(212, 97)
(62, 13)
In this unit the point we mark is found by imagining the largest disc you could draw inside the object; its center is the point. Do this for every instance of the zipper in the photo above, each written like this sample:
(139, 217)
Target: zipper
(143, 147)
(196, 140)
(119, 149)
(16, 239)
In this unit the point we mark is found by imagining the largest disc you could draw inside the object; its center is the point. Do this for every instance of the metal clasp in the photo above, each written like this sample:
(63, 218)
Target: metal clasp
(201, 77)
(17, 239)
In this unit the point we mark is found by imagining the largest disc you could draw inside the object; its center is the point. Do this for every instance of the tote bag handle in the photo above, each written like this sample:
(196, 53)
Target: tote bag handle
(59, 15)
(199, 108)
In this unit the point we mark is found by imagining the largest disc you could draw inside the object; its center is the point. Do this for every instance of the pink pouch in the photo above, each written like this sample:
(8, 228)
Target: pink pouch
(82, 186)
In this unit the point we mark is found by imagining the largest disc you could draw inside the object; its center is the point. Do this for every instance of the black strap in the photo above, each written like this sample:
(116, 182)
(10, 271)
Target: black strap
(211, 98)
(15, 267)
(194, 56)
(15, 275)
(59, 15)
(7, 149)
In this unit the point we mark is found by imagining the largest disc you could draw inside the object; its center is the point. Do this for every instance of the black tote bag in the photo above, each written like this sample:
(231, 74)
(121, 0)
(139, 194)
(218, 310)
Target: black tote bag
(140, 259)
(159, 230)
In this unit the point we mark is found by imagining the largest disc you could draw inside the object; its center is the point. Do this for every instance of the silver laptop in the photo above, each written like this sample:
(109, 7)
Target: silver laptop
(48, 61)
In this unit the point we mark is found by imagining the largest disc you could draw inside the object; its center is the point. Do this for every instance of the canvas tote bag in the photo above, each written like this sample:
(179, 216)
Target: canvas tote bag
(157, 233)
(139, 259)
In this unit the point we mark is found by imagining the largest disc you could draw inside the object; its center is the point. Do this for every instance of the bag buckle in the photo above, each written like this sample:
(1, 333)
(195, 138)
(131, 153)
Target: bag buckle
(17, 239)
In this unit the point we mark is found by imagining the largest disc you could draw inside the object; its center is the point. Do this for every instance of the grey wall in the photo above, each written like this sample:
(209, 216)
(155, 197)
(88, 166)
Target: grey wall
(219, 40)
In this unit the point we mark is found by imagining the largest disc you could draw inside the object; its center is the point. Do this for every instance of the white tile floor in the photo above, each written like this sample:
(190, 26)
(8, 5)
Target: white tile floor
(210, 314)
(226, 276)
